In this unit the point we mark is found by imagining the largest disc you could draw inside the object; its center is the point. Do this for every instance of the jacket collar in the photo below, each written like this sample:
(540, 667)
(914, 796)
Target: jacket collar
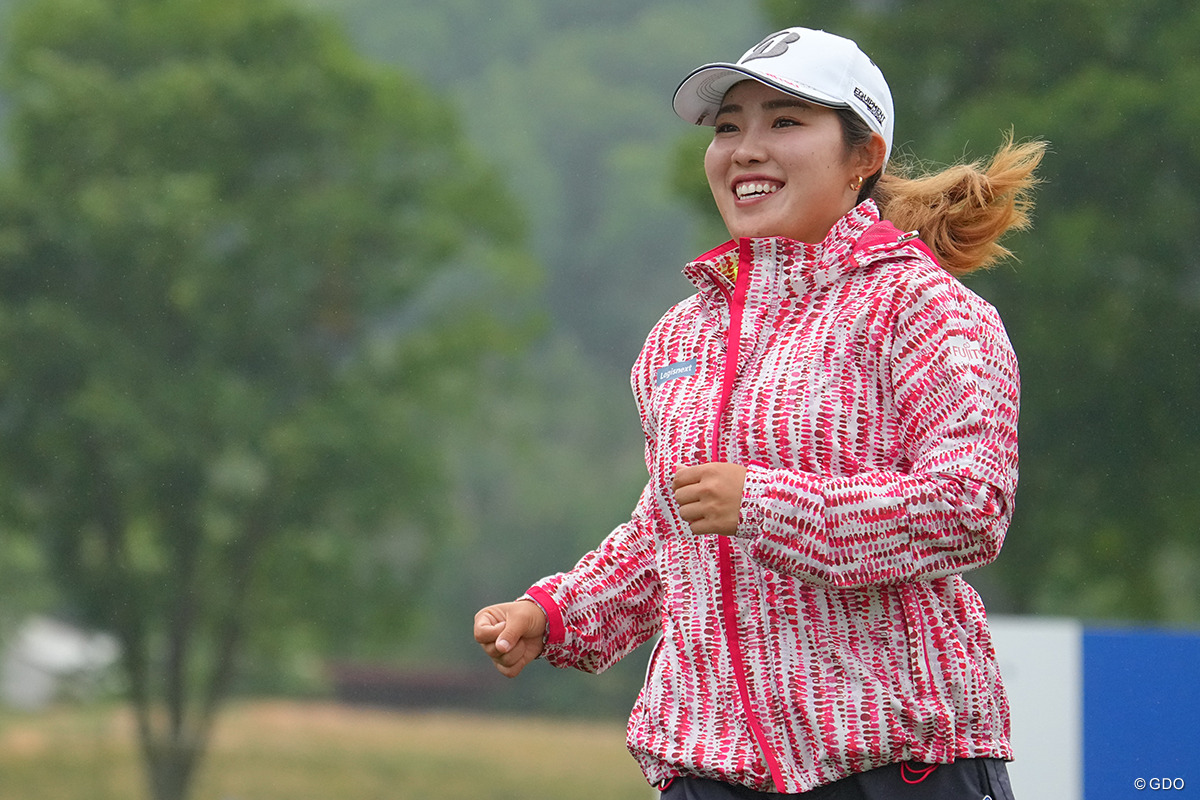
(782, 266)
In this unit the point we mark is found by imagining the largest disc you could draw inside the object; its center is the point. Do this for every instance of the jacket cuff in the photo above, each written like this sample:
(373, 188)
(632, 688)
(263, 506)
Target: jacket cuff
(556, 630)
(750, 517)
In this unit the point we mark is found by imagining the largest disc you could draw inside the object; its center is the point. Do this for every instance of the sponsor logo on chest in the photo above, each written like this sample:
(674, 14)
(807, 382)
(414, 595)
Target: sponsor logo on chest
(679, 369)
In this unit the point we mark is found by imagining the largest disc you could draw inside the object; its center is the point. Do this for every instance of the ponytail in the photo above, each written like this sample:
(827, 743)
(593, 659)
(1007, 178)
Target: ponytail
(961, 212)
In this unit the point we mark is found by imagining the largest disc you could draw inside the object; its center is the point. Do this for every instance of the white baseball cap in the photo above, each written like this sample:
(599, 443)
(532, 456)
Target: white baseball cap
(817, 66)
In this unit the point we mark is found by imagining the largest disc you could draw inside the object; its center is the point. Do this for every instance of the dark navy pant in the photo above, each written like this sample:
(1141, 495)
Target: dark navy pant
(967, 779)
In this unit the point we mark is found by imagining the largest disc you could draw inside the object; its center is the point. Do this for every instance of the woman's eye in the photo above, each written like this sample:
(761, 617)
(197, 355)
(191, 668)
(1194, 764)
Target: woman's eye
(786, 122)
(725, 127)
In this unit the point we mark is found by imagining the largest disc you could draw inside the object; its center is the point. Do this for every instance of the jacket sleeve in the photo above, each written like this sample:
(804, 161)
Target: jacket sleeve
(608, 603)
(954, 390)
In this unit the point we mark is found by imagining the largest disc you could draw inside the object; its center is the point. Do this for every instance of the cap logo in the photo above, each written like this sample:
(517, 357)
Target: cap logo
(774, 45)
(872, 107)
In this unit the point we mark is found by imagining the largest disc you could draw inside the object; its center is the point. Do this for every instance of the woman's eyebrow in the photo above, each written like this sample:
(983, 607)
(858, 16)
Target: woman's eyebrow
(769, 105)
(786, 102)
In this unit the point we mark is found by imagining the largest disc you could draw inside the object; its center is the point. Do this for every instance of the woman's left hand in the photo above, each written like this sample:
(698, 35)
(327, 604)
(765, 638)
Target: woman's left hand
(710, 497)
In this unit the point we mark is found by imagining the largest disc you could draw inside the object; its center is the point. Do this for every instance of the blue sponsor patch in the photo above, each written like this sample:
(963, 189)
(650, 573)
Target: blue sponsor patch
(680, 369)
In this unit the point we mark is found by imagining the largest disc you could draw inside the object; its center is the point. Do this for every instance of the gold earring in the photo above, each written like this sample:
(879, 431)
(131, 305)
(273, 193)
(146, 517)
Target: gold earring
(857, 183)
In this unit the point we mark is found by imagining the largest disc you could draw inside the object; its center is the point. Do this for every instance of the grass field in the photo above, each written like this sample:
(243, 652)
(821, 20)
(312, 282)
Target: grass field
(312, 751)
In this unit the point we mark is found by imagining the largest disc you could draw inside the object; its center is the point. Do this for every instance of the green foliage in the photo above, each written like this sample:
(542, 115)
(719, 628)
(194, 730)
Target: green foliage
(246, 276)
(574, 101)
(1104, 308)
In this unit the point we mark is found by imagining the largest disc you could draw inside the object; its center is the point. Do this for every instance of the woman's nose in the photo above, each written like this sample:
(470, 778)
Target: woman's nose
(749, 149)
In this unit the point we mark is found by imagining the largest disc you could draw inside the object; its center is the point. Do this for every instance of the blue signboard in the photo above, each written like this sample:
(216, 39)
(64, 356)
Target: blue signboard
(1141, 710)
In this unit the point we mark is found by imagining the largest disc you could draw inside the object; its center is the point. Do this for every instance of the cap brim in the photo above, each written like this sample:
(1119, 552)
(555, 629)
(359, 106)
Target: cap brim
(699, 96)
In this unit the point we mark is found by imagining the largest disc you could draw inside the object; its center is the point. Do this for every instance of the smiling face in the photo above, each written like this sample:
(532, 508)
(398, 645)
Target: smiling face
(778, 166)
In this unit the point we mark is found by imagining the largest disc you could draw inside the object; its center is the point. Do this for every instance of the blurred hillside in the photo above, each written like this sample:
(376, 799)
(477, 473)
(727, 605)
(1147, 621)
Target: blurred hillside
(572, 104)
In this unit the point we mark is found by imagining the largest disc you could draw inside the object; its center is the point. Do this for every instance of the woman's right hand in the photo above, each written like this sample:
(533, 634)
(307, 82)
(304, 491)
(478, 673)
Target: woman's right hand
(512, 634)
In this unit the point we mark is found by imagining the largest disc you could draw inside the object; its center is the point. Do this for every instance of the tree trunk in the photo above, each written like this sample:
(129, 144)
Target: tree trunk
(169, 768)
(174, 730)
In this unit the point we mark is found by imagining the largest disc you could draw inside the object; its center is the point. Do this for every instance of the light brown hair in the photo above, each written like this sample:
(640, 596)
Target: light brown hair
(961, 211)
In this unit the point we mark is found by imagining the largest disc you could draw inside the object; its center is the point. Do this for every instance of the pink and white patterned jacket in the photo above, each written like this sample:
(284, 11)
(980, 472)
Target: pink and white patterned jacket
(873, 399)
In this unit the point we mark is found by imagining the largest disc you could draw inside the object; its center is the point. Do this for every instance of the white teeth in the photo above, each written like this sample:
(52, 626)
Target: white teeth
(748, 189)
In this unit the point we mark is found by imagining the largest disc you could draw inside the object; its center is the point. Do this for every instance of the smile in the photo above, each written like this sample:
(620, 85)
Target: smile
(752, 189)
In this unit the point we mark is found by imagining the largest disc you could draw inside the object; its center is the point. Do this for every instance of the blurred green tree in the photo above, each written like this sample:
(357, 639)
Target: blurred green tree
(1104, 308)
(245, 279)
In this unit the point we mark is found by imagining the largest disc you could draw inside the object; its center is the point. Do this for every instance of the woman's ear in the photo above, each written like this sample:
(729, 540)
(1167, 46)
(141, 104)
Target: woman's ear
(871, 155)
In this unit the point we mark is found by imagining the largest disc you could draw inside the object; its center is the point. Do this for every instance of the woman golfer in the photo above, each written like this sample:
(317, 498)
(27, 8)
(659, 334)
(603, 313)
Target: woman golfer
(831, 440)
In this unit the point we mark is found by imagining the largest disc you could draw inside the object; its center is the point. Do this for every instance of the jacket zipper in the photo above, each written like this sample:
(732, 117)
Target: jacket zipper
(737, 305)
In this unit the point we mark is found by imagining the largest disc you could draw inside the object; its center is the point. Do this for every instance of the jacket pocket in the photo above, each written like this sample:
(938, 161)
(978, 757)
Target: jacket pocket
(915, 604)
(650, 698)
